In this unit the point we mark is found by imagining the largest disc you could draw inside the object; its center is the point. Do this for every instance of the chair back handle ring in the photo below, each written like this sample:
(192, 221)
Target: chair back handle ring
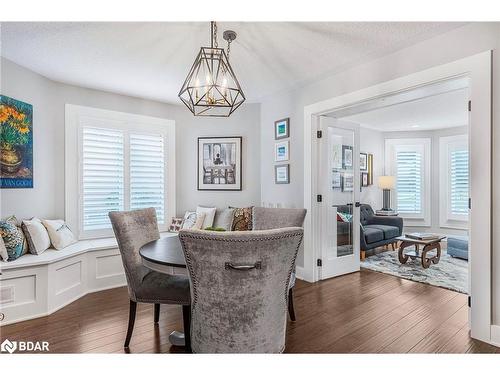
(243, 267)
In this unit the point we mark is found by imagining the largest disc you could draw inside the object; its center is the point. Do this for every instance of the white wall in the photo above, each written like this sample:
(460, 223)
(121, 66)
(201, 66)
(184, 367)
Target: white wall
(46, 199)
(372, 142)
(456, 44)
(434, 136)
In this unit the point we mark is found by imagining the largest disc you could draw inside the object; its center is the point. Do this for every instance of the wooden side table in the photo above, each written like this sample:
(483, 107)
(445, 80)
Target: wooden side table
(429, 245)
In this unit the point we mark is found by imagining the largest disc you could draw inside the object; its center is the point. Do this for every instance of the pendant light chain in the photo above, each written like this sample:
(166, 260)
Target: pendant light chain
(214, 36)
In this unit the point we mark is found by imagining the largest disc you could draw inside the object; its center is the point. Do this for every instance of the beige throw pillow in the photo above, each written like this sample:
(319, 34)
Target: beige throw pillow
(59, 233)
(209, 215)
(36, 235)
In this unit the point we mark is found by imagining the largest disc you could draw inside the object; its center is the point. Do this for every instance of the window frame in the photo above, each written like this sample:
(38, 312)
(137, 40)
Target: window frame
(127, 123)
(392, 146)
(447, 219)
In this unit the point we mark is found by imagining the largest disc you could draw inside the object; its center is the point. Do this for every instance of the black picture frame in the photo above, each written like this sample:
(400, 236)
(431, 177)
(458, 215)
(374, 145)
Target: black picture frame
(363, 166)
(347, 182)
(238, 186)
(364, 179)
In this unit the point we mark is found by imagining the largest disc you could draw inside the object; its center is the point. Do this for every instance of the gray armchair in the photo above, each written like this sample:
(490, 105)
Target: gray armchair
(133, 229)
(239, 284)
(272, 218)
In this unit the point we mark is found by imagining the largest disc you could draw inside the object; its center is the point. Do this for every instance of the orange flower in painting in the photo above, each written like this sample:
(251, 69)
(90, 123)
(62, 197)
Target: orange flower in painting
(3, 113)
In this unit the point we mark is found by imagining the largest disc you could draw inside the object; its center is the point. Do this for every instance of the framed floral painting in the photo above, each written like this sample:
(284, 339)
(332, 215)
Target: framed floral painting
(16, 143)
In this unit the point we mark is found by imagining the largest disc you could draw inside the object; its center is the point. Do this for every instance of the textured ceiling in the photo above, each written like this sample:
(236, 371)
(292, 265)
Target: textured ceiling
(151, 60)
(434, 112)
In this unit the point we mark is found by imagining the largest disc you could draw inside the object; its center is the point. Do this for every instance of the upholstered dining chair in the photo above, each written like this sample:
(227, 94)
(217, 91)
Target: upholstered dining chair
(272, 218)
(133, 229)
(239, 288)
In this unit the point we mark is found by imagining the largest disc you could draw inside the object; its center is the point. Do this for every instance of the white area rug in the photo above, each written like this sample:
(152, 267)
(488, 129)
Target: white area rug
(450, 273)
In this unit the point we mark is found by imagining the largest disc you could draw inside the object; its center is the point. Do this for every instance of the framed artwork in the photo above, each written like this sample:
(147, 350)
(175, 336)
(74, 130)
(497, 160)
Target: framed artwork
(337, 156)
(336, 180)
(363, 162)
(281, 151)
(370, 169)
(346, 157)
(219, 163)
(364, 179)
(347, 182)
(282, 174)
(282, 128)
(16, 143)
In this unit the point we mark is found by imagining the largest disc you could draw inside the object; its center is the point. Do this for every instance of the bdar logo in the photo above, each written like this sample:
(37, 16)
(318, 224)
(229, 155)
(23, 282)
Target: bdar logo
(8, 346)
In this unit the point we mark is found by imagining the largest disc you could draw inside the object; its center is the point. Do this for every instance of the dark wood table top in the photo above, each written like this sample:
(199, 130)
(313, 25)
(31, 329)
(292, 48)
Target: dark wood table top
(165, 251)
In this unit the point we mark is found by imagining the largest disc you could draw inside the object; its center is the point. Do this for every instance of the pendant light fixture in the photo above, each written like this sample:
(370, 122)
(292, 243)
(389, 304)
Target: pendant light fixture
(211, 87)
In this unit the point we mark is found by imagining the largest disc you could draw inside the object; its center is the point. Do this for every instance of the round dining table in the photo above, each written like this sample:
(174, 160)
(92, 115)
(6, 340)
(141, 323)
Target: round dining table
(166, 256)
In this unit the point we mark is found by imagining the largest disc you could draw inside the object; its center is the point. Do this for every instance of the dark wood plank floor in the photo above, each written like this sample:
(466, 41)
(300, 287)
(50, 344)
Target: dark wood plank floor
(363, 312)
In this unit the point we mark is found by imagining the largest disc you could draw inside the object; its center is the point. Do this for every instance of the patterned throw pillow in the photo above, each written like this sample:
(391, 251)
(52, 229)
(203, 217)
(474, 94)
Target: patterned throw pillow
(175, 224)
(242, 219)
(192, 220)
(13, 220)
(13, 239)
(345, 217)
(4, 255)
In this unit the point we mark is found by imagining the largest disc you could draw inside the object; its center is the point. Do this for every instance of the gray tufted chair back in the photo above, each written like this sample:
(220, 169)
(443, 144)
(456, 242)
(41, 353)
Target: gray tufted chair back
(272, 218)
(133, 229)
(239, 284)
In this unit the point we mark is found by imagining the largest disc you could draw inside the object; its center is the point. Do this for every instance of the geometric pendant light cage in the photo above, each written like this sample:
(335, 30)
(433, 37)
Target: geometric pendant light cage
(211, 87)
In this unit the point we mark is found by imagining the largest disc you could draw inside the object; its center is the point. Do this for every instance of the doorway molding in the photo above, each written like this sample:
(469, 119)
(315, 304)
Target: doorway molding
(478, 69)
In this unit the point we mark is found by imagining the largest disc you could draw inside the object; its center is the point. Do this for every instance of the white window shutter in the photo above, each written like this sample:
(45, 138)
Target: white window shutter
(147, 173)
(409, 181)
(459, 182)
(102, 176)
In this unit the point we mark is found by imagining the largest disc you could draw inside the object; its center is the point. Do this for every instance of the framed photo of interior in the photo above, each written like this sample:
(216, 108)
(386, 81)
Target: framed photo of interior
(219, 163)
(282, 128)
(346, 157)
(364, 179)
(348, 182)
(282, 174)
(281, 151)
(363, 162)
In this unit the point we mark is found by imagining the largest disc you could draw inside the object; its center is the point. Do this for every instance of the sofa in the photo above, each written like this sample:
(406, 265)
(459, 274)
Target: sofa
(458, 247)
(375, 230)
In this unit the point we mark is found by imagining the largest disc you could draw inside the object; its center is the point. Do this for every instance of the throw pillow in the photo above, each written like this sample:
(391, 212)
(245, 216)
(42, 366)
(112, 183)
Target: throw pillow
(13, 239)
(200, 219)
(345, 217)
(36, 235)
(189, 220)
(59, 233)
(175, 224)
(224, 219)
(4, 255)
(242, 218)
(209, 215)
(13, 220)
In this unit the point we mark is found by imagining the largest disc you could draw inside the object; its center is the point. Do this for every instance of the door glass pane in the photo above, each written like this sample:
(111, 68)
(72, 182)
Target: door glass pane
(341, 191)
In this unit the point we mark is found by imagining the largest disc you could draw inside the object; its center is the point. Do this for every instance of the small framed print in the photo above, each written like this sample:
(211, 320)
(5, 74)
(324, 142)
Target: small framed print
(347, 182)
(346, 157)
(363, 162)
(282, 174)
(282, 128)
(281, 151)
(364, 179)
(336, 180)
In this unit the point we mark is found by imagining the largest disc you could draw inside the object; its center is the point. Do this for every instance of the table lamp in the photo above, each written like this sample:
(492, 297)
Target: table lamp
(386, 183)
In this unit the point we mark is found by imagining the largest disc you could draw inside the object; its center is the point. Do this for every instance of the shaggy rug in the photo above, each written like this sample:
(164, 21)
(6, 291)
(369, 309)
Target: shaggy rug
(450, 273)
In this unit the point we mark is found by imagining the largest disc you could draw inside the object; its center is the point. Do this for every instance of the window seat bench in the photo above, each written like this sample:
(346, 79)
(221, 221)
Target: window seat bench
(38, 285)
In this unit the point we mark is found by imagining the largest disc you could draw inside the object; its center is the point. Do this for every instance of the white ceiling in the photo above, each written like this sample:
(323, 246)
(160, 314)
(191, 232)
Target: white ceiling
(151, 60)
(441, 111)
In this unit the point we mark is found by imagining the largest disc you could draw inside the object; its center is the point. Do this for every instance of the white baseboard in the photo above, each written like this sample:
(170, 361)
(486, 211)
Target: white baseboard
(495, 335)
(299, 272)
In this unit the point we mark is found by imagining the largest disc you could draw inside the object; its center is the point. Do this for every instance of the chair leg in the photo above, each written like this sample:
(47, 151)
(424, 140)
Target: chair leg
(363, 254)
(186, 316)
(157, 312)
(291, 310)
(131, 321)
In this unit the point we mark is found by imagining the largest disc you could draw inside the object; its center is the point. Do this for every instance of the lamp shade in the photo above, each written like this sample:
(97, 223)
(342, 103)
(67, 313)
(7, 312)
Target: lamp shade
(386, 182)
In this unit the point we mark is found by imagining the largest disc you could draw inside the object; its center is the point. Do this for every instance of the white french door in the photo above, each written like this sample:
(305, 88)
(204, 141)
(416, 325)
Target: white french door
(339, 182)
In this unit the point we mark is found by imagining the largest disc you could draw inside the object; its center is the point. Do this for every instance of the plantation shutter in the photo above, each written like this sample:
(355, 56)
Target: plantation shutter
(147, 173)
(409, 181)
(102, 176)
(459, 182)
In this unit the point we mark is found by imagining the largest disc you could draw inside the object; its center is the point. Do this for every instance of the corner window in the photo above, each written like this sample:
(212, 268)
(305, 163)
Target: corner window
(116, 161)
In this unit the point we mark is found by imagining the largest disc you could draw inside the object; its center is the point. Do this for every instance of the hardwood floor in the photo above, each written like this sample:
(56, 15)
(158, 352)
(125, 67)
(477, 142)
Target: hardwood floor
(363, 312)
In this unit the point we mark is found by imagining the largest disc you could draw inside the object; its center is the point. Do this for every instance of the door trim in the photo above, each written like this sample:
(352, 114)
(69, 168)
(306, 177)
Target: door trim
(478, 69)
